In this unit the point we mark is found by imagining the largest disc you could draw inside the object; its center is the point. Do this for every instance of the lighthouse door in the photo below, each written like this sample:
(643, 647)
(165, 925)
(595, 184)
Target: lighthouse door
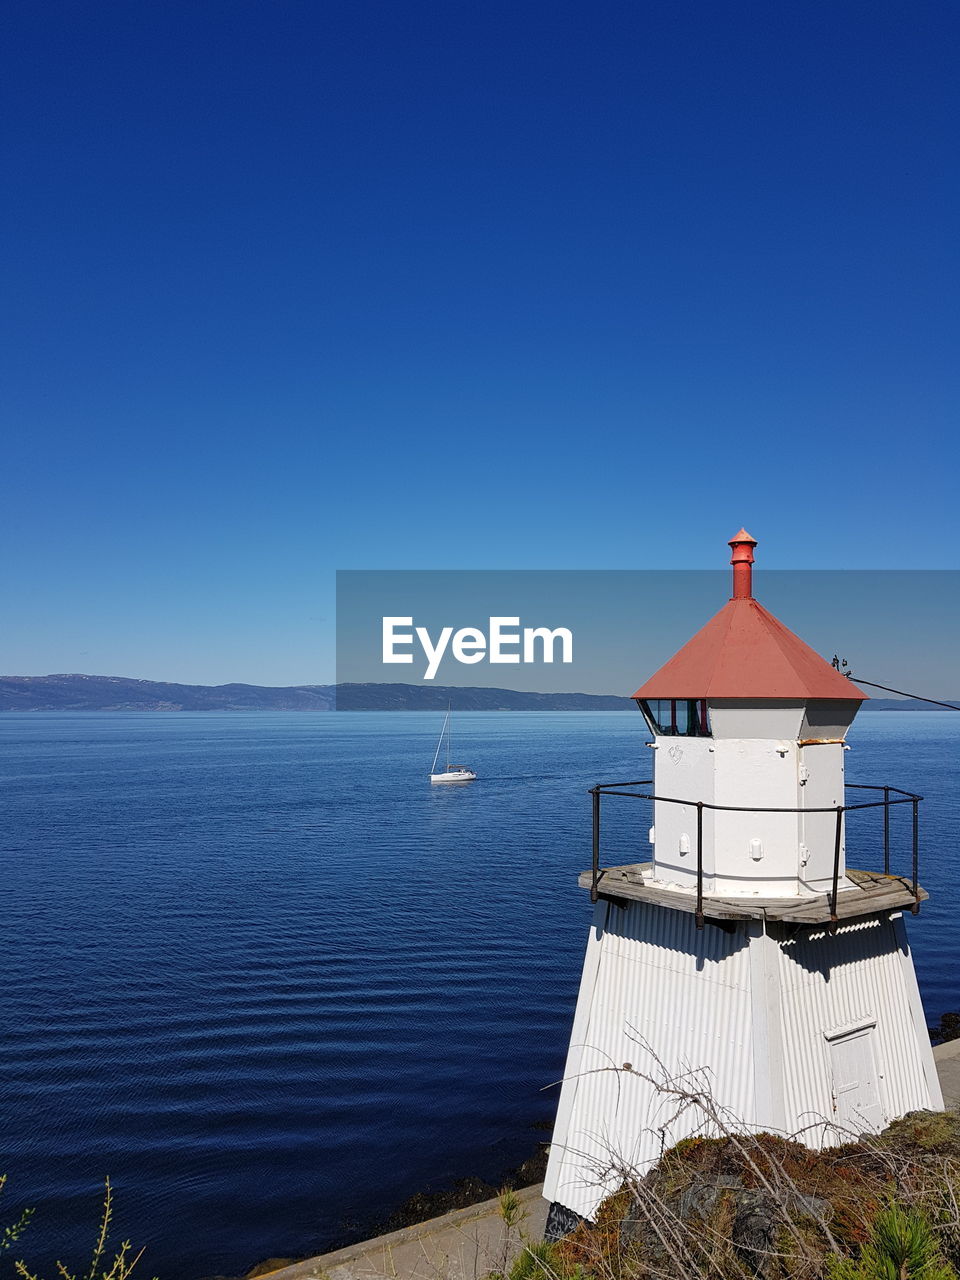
(856, 1096)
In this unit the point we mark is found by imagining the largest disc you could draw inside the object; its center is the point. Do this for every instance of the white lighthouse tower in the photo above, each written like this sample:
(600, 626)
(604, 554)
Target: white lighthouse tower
(746, 950)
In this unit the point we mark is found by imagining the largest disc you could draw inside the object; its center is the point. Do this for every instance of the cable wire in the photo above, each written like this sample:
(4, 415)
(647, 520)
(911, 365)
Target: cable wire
(951, 706)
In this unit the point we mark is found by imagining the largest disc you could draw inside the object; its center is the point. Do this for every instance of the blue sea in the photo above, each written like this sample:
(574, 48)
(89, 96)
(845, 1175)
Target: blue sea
(269, 980)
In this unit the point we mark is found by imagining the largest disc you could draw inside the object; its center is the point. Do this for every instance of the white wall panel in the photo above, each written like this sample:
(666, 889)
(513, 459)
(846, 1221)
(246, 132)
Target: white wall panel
(664, 990)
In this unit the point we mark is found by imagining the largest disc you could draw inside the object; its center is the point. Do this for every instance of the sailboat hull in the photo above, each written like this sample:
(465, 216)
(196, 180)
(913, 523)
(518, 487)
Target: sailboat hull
(454, 775)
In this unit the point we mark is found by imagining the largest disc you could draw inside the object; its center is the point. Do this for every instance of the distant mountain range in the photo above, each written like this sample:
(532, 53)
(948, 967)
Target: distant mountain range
(117, 693)
(420, 697)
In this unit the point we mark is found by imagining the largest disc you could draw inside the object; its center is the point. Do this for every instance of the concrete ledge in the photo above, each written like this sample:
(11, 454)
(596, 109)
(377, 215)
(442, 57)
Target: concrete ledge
(949, 1050)
(947, 1058)
(462, 1245)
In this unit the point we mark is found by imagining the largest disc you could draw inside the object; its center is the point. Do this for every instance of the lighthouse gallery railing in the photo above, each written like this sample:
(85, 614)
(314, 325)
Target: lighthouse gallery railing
(891, 796)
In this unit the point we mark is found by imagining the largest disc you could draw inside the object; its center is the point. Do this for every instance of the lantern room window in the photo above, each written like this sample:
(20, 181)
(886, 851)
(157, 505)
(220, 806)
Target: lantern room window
(676, 717)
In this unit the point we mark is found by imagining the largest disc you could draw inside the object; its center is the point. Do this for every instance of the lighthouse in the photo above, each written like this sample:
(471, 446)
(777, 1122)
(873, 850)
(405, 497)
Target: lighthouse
(740, 949)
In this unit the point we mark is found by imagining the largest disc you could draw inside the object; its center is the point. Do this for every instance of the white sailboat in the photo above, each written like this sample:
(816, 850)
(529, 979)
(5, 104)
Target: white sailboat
(452, 772)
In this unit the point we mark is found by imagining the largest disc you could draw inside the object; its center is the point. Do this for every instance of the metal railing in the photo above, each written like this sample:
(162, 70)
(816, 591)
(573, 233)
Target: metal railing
(903, 797)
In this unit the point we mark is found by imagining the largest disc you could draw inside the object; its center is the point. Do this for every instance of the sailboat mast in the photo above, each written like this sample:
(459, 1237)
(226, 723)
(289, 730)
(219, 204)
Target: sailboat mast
(433, 767)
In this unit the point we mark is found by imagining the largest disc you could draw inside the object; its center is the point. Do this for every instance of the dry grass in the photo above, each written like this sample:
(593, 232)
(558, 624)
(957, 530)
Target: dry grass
(736, 1205)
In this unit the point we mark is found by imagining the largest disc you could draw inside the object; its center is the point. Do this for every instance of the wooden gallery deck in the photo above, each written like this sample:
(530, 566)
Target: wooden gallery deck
(874, 892)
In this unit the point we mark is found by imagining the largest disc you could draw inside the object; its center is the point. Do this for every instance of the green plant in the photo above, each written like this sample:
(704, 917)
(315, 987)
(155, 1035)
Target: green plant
(511, 1210)
(537, 1261)
(11, 1234)
(902, 1246)
(510, 1207)
(119, 1269)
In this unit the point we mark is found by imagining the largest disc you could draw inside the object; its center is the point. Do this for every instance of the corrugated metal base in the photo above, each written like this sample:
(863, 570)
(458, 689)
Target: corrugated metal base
(747, 1012)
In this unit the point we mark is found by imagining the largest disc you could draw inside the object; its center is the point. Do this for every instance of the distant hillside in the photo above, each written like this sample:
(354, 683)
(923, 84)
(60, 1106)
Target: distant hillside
(422, 697)
(116, 693)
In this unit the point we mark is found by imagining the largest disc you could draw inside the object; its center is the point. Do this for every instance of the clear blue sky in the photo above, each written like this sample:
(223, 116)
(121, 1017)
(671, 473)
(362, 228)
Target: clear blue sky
(291, 287)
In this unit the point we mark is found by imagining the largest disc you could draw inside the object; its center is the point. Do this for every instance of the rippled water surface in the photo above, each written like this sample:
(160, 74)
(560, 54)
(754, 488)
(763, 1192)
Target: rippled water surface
(272, 982)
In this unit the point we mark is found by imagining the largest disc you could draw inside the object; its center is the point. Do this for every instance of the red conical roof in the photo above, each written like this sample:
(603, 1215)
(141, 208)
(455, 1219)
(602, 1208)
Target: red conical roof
(745, 652)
